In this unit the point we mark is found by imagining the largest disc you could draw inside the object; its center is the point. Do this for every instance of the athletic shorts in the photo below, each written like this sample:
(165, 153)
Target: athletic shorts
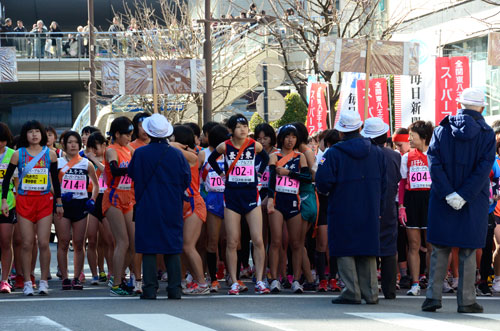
(34, 207)
(75, 209)
(287, 204)
(323, 209)
(123, 200)
(497, 219)
(308, 206)
(241, 200)
(195, 205)
(264, 192)
(11, 219)
(417, 205)
(215, 203)
(97, 213)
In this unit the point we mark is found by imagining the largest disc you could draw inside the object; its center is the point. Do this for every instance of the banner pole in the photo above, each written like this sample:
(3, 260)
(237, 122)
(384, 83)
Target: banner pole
(367, 75)
(390, 103)
(328, 105)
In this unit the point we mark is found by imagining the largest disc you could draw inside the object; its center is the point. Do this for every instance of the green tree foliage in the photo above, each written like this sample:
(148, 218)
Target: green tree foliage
(255, 120)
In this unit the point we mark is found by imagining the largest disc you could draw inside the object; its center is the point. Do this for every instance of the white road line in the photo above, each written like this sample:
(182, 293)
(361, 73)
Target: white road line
(414, 322)
(157, 322)
(280, 321)
(39, 323)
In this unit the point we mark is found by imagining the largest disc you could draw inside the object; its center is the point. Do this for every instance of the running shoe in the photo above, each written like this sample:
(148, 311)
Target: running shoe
(131, 281)
(4, 287)
(260, 288)
(117, 291)
(102, 277)
(32, 277)
(164, 277)
(414, 290)
(405, 282)
(483, 290)
(66, 284)
(234, 290)
(43, 287)
(285, 283)
(275, 286)
(422, 281)
(76, 284)
(246, 272)
(197, 289)
(95, 280)
(297, 288)
(454, 283)
(111, 281)
(189, 278)
(496, 285)
(215, 286)
(19, 284)
(447, 288)
(28, 289)
(243, 287)
(309, 287)
(323, 286)
(58, 273)
(82, 277)
(332, 284)
(138, 287)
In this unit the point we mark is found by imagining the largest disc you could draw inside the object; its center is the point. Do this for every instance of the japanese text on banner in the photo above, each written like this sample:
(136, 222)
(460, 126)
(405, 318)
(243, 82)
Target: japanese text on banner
(378, 102)
(317, 111)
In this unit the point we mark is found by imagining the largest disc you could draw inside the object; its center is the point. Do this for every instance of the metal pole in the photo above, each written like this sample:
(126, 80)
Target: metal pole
(92, 83)
(207, 55)
(390, 103)
(155, 88)
(266, 93)
(367, 75)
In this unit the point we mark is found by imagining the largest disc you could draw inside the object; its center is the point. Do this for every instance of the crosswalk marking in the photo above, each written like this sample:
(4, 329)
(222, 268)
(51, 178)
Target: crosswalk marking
(157, 322)
(414, 321)
(39, 323)
(287, 322)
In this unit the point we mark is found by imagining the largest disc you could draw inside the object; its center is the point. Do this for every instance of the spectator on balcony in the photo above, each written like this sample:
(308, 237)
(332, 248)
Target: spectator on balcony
(115, 30)
(20, 41)
(40, 38)
(7, 40)
(252, 12)
(56, 39)
(70, 47)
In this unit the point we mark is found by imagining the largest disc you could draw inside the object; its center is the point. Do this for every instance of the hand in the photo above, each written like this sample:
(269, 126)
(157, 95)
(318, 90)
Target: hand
(402, 216)
(270, 206)
(455, 201)
(90, 205)
(496, 197)
(59, 212)
(90, 155)
(282, 171)
(5, 208)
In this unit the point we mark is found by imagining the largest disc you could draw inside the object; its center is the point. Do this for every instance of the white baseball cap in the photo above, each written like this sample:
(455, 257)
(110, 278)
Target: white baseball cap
(157, 126)
(348, 121)
(473, 97)
(374, 127)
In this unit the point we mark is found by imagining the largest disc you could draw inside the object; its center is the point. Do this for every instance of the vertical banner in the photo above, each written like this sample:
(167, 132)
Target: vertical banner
(348, 93)
(378, 103)
(317, 111)
(452, 77)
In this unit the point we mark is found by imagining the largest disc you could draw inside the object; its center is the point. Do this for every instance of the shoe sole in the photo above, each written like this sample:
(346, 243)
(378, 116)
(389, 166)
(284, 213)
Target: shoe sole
(43, 293)
(322, 290)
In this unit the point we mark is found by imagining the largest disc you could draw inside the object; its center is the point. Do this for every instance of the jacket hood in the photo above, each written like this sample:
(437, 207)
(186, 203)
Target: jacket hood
(357, 148)
(466, 124)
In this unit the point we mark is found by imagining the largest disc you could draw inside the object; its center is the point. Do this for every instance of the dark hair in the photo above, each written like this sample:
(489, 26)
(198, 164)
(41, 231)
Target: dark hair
(331, 138)
(62, 136)
(498, 146)
(5, 134)
(208, 126)
(380, 140)
(69, 134)
(402, 131)
(234, 120)
(121, 125)
(15, 141)
(195, 128)
(184, 135)
(268, 132)
(138, 118)
(51, 129)
(423, 129)
(31, 125)
(302, 133)
(496, 126)
(96, 138)
(217, 135)
(285, 131)
(89, 129)
(389, 142)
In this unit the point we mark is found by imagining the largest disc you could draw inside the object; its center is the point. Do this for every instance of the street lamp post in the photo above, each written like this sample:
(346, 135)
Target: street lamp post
(92, 83)
(207, 55)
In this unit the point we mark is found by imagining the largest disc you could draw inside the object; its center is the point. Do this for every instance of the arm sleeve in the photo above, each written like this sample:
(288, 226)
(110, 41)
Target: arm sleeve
(116, 171)
(272, 180)
(6, 180)
(54, 172)
(212, 160)
(383, 184)
(265, 160)
(304, 176)
(401, 191)
(326, 176)
(440, 182)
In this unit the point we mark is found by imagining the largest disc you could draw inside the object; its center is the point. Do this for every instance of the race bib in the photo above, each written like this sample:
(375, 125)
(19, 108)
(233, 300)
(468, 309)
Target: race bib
(215, 182)
(3, 170)
(243, 172)
(73, 183)
(125, 183)
(102, 184)
(285, 184)
(36, 180)
(419, 177)
(264, 180)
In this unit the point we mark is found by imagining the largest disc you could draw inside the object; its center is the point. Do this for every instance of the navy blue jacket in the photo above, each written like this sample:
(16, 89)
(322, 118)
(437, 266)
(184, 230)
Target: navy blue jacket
(353, 173)
(389, 220)
(161, 174)
(460, 155)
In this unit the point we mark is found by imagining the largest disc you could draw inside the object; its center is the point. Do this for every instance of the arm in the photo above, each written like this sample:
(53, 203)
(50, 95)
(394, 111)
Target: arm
(112, 158)
(326, 177)
(304, 176)
(201, 158)
(212, 159)
(54, 175)
(311, 162)
(265, 160)
(440, 183)
(95, 182)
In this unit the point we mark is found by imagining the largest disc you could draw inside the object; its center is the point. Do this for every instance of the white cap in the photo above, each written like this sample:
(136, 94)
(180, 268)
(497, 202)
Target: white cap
(348, 121)
(157, 126)
(374, 127)
(472, 97)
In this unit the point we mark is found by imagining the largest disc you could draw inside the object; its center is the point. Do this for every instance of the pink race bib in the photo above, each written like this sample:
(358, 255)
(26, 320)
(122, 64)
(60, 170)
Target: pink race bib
(264, 180)
(215, 182)
(243, 172)
(285, 184)
(125, 183)
(102, 184)
(74, 185)
(419, 177)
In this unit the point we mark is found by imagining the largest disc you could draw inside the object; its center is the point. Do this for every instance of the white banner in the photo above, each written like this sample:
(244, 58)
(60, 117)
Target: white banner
(348, 92)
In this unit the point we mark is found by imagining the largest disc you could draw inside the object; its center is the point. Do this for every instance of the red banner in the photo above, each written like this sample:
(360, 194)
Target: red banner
(452, 77)
(317, 111)
(378, 102)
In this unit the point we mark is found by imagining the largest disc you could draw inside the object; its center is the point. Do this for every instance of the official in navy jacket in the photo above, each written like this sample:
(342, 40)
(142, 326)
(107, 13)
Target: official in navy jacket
(461, 154)
(353, 173)
(161, 175)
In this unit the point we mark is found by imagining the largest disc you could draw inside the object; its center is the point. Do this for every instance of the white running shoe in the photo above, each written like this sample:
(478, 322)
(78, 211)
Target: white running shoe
(164, 277)
(496, 284)
(275, 286)
(28, 289)
(447, 288)
(454, 283)
(297, 288)
(43, 287)
(414, 290)
(138, 287)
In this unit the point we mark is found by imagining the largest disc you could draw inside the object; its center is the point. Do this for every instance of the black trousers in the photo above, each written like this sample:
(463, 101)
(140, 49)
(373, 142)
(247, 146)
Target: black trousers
(150, 276)
(388, 272)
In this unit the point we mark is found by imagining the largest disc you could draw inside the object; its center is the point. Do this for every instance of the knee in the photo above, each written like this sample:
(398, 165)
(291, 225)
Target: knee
(296, 244)
(232, 244)
(276, 243)
(258, 243)
(43, 245)
(78, 246)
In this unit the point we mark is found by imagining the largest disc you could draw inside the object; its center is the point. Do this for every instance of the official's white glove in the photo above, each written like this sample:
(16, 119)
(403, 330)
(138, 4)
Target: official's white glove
(455, 201)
